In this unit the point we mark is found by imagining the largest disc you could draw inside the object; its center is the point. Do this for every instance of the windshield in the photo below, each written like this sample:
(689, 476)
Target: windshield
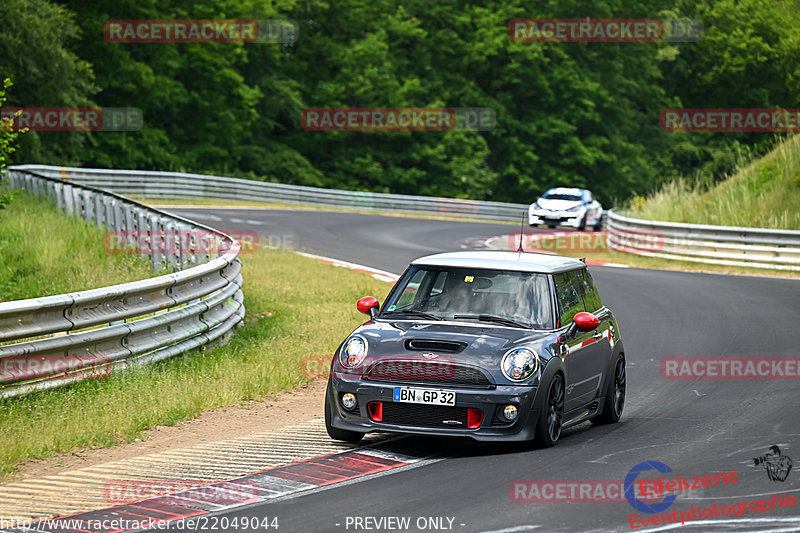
(554, 196)
(517, 299)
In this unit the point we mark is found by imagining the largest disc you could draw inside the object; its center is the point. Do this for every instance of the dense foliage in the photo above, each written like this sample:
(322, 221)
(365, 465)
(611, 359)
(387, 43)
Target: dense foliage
(8, 138)
(583, 114)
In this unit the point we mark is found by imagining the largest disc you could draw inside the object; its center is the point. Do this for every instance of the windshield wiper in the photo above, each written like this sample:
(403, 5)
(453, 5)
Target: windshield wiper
(494, 318)
(412, 312)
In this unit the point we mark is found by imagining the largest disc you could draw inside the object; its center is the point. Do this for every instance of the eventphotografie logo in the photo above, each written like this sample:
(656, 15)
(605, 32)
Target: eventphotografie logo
(73, 118)
(201, 31)
(656, 514)
(619, 30)
(388, 119)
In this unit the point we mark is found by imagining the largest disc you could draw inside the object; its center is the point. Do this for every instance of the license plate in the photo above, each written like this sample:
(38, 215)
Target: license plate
(425, 396)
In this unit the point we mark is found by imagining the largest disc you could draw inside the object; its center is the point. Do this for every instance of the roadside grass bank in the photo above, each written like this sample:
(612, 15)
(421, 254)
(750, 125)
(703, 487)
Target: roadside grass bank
(764, 193)
(44, 252)
(296, 307)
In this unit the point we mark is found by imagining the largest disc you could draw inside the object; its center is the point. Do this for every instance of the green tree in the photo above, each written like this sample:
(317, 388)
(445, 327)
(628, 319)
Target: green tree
(36, 51)
(8, 139)
(575, 114)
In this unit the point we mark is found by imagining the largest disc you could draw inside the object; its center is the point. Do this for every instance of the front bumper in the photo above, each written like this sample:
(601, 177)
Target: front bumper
(570, 219)
(492, 427)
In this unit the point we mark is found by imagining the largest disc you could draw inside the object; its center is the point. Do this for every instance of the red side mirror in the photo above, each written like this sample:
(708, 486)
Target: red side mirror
(366, 304)
(586, 321)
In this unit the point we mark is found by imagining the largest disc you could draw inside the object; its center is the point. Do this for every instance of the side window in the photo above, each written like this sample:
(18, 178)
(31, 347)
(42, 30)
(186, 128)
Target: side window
(591, 298)
(569, 291)
(407, 298)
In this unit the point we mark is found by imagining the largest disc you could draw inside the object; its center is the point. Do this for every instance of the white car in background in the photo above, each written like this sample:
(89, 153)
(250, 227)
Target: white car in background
(566, 207)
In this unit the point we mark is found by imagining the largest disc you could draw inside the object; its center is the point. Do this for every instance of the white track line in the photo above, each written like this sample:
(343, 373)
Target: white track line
(374, 272)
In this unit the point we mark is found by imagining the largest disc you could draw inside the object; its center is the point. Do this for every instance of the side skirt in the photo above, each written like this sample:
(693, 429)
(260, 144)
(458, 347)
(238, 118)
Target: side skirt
(583, 413)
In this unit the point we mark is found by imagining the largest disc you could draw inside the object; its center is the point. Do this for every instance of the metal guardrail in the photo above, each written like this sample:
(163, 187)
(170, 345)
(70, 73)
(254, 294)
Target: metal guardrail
(92, 332)
(721, 245)
(174, 185)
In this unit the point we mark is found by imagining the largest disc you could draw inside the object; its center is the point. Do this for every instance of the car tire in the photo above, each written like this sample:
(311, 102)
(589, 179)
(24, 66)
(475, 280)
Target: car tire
(551, 417)
(335, 433)
(615, 396)
(582, 226)
(599, 225)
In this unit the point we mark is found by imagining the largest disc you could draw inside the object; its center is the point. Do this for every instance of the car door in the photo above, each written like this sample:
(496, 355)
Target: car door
(586, 355)
(602, 337)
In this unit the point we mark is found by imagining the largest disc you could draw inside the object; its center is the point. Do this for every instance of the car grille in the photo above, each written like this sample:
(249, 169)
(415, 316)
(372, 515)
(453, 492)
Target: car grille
(428, 373)
(429, 416)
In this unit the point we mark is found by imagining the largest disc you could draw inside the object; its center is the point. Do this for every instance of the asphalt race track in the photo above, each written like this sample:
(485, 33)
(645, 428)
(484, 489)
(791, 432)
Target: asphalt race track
(697, 427)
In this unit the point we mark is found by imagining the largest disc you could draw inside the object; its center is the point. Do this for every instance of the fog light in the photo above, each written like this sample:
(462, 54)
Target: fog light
(349, 400)
(510, 412)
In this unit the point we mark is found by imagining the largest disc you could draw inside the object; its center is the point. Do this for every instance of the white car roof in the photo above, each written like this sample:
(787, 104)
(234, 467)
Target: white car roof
(567, 190)
(501, 260)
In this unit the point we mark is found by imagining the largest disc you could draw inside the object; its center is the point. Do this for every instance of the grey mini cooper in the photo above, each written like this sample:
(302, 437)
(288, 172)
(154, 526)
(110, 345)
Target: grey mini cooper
(489, 345)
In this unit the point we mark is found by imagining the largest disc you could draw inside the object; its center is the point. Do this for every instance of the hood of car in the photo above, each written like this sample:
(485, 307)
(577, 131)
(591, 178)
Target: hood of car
(557, 205)
(475, 345)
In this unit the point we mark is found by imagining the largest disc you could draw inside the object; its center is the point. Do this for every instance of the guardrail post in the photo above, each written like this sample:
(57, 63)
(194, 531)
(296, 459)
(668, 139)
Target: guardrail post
(129, 219)
(99, 209)
(156, 243)
(142, 235)
(171, 241)
(69, 199)
(77, 201)
(88, 205)
(108, 218)
(58, 189)
(50, 187)
(184, 245)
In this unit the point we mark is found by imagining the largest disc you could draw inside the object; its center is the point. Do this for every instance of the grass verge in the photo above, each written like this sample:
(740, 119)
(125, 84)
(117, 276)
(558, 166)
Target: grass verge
(43, 252)
(296, 307)
(764, 193)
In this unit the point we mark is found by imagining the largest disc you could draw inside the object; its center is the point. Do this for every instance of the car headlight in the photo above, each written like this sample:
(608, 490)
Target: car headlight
(353, 351)
(574, 208)
(520, 364)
